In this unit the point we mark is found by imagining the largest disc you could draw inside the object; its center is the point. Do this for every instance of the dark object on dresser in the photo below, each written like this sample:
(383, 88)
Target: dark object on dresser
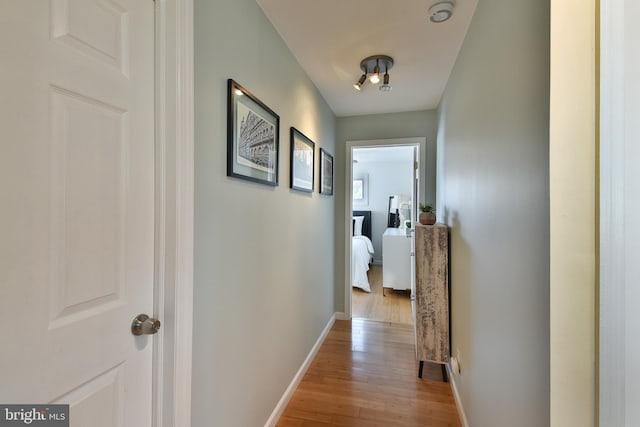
(393, 218)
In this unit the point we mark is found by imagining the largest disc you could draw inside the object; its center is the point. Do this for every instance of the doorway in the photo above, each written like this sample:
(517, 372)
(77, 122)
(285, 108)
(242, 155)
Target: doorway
(374, 167)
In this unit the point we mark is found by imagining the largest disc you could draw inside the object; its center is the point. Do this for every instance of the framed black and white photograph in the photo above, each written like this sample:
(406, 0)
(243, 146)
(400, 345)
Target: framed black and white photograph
(302, 157)
(326, 172)
(253, 135)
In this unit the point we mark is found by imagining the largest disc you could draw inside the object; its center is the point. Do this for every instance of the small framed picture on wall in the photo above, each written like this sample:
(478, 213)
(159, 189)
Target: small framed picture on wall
(361, 190)
(302, 159)
(326, 172)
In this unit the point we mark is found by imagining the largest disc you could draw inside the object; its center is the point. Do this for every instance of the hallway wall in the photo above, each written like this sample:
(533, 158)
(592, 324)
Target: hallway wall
(264, 256)
(619, 200)
(493, 191)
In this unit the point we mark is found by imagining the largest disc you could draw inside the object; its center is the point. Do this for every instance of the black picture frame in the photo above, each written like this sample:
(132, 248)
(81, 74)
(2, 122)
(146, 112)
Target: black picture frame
(326, 172)
(253, 137)
(303, 151)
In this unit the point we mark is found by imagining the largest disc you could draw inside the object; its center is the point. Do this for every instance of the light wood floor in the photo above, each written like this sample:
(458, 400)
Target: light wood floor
(395, 307)
(365, 374)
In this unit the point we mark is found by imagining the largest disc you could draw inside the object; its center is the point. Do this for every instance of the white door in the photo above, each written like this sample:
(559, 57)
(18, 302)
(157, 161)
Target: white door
(77, 206)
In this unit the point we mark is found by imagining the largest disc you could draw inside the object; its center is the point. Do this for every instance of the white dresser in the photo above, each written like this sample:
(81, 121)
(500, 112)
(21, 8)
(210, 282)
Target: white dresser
(396, 259)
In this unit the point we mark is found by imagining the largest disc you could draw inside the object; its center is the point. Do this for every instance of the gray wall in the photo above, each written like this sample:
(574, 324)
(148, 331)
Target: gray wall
(619, 240)
(377, 126)
(493, 191)
(264, 260)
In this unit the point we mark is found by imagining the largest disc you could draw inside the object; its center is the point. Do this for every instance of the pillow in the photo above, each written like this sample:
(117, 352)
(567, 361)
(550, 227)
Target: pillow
(357, 225)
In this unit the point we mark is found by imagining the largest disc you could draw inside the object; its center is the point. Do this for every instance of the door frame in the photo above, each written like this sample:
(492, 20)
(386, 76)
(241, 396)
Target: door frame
(174, 142)
(421, 142)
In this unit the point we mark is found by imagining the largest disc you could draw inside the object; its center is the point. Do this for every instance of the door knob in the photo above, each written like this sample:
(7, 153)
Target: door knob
(144, 325)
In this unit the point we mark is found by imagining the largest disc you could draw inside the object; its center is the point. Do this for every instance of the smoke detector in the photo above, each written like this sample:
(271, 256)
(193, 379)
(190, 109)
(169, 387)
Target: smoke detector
(441, 11)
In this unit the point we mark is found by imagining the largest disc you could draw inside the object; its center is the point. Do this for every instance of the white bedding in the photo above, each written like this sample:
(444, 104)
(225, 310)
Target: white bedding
(361, 254)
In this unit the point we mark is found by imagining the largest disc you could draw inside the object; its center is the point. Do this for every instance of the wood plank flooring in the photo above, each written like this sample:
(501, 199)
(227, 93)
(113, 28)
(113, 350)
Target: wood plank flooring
(395, 307)
(365, 374)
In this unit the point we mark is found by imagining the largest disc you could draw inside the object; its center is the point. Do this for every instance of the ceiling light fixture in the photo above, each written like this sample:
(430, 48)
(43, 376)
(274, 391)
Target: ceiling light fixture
(371, 67)
(358, 85)
(441, 11)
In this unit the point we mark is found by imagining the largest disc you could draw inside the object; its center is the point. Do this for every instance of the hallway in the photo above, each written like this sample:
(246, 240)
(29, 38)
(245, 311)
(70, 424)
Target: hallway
(365, 374)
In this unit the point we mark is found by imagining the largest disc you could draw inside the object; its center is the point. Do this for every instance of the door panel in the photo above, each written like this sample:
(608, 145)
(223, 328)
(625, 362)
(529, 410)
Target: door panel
(98, 29)
(88, 235)
(77, 222)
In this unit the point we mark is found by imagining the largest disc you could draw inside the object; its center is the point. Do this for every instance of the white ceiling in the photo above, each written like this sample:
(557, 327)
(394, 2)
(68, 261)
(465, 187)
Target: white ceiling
(330, 38)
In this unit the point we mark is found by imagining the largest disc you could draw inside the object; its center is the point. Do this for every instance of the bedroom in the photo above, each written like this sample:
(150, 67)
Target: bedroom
(382, 205)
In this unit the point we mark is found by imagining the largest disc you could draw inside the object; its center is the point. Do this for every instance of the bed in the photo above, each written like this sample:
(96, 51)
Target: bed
(361, 250)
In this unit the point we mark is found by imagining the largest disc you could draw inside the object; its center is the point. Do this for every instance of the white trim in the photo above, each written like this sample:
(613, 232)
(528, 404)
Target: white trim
(612, 363)
(421, 142)
(456, 397)
(175, 213)
(341, 316)
(286, 397)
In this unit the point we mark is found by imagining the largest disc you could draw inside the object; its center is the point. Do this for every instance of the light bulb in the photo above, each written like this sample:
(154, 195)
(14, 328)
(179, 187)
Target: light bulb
(375, 77)
(385, 86)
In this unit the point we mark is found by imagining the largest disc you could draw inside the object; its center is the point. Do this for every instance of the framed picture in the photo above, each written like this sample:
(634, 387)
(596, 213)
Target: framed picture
(360, 190)
(302, 157)
(326, 172)
(253, 135)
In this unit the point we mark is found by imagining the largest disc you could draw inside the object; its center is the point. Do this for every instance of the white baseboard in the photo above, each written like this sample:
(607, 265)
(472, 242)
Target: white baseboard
(286, 397)
(456, 397)
(341, 316)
